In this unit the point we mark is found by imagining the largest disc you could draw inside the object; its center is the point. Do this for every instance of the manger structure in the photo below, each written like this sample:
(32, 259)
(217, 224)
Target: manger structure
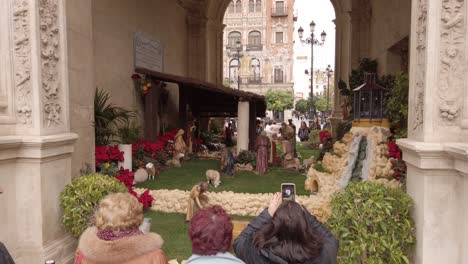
(202, 100)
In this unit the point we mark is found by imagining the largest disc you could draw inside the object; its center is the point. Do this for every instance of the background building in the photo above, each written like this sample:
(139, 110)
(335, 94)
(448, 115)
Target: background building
(265, 29)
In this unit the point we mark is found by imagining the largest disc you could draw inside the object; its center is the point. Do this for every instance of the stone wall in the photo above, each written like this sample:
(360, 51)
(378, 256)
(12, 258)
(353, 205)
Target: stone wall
(114, 23)
(81, 80)
(380, 31)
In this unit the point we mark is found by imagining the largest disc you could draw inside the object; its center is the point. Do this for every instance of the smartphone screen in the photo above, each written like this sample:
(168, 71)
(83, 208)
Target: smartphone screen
(288, 191)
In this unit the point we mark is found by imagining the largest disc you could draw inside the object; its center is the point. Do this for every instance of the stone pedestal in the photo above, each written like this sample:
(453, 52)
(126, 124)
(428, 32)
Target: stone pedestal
(243, 126)
(436, 151)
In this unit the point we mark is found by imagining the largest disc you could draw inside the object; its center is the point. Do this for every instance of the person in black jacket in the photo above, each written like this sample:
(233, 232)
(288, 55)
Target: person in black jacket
(286, 233)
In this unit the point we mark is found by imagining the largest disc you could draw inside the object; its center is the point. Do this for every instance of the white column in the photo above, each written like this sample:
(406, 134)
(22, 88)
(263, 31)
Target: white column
(436, 151)
(242, 126)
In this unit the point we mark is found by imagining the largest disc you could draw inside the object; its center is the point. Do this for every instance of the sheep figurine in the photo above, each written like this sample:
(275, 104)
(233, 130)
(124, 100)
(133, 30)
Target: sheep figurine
(213, 177)
(175, 161)
(309, 162)
(151, 169)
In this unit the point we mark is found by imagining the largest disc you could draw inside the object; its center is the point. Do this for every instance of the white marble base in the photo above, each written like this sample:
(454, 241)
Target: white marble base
(33, 173)
(438, 183)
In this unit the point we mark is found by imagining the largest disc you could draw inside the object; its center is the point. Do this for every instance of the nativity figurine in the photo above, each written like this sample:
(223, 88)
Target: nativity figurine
(197, 199)
(262, 145)
(179, 146)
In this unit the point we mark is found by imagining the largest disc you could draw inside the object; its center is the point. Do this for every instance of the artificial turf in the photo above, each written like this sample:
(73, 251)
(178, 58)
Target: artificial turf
(174, 230)
(194, 171)
(172, 226)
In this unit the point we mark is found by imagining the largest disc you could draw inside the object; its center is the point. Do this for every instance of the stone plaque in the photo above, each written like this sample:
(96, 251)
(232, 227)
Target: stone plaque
(148, 53)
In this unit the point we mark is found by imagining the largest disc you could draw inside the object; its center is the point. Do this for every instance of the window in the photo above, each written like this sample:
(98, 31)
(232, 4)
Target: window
(233, 71)
(255, 70)
(279, 7)
(255, 38)
(239, 6)
(231, 7)
(251, 6)
(279, 37)
(233, 37)
(278, 76)
(259, 6)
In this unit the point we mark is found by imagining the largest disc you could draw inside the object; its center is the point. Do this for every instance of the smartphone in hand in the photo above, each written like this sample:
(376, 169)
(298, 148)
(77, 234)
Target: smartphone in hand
(288, 191)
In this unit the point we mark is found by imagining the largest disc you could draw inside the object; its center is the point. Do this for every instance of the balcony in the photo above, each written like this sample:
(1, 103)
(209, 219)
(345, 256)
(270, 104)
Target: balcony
(254, 47)
(279, 12)
(233, 48)
(255, 80)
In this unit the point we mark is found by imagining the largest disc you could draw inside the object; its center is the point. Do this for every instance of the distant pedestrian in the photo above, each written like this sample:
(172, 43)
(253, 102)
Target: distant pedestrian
(304, 132)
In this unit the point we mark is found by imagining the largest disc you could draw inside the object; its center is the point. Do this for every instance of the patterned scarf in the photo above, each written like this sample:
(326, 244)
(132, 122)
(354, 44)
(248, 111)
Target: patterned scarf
(109, 235)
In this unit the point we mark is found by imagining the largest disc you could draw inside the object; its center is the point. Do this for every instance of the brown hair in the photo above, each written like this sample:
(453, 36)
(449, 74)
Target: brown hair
(289, 235)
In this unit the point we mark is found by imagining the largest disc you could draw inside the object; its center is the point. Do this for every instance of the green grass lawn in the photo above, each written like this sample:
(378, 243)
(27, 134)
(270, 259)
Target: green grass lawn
(172, 226)
(193, 171)
(174, 230)
(305, 151)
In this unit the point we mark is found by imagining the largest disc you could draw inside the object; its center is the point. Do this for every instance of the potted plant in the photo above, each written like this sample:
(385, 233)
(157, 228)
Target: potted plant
(128, 134)
(107, 118)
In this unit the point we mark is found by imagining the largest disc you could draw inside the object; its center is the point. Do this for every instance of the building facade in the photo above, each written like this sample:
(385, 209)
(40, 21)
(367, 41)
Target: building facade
(265, 31)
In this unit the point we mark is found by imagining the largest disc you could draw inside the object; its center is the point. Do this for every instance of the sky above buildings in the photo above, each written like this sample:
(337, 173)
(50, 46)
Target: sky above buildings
(323, 14)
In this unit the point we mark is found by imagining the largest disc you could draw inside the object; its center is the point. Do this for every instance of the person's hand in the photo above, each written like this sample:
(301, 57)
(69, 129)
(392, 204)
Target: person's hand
(274, 203)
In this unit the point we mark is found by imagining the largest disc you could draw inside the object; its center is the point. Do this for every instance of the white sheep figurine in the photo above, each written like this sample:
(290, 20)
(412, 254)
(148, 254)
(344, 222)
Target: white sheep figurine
(151, 169)
(213, 177)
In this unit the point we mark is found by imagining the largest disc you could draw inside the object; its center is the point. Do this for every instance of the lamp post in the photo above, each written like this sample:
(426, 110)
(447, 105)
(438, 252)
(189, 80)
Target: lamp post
(238, 48)
(329, 74)
(313, 42)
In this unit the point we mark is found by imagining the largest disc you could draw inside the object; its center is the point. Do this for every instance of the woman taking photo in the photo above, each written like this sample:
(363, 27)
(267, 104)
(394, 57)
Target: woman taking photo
(286, 233)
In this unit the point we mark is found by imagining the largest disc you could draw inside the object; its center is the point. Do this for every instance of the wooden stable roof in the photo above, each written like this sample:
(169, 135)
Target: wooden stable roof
(208, 99)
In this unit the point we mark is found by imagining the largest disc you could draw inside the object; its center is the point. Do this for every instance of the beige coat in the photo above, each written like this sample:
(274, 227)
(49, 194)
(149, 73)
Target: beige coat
(139, 249)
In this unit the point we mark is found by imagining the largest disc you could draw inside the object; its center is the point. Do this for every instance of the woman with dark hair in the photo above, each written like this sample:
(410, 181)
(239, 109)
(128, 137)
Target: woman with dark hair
(211, 235)
(304, 132)
(286, 233)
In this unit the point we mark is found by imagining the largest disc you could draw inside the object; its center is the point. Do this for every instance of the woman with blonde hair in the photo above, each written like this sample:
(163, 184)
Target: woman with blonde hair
(115, 237)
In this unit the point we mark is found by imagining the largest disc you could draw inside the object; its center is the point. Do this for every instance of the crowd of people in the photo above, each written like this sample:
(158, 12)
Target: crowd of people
(285, 232)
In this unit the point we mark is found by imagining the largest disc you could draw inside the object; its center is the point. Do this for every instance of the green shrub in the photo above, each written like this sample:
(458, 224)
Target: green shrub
(314, 140)
(373, 224)
(396, 105)
(80, 197)
(246, 156)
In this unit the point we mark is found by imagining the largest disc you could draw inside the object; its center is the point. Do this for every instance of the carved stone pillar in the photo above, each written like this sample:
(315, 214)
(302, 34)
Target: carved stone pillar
(437, 148)
(35, 139)
(197, 50)
(342, 62)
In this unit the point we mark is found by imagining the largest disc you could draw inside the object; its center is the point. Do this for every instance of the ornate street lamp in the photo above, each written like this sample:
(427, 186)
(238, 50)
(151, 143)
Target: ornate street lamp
(238, 48)
(329, 74)
(312, 41)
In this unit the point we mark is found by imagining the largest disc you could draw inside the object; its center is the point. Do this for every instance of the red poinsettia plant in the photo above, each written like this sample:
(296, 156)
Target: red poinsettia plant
(127, 177)
(108, 154)
(398, 165)
(160, 150)
(325, 134)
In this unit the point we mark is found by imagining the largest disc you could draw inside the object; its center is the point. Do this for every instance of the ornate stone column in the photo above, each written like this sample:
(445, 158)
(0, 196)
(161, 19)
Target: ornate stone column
(436, 150)
(243, 126)
(197, 50)
(342, 61)
(35, 139)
